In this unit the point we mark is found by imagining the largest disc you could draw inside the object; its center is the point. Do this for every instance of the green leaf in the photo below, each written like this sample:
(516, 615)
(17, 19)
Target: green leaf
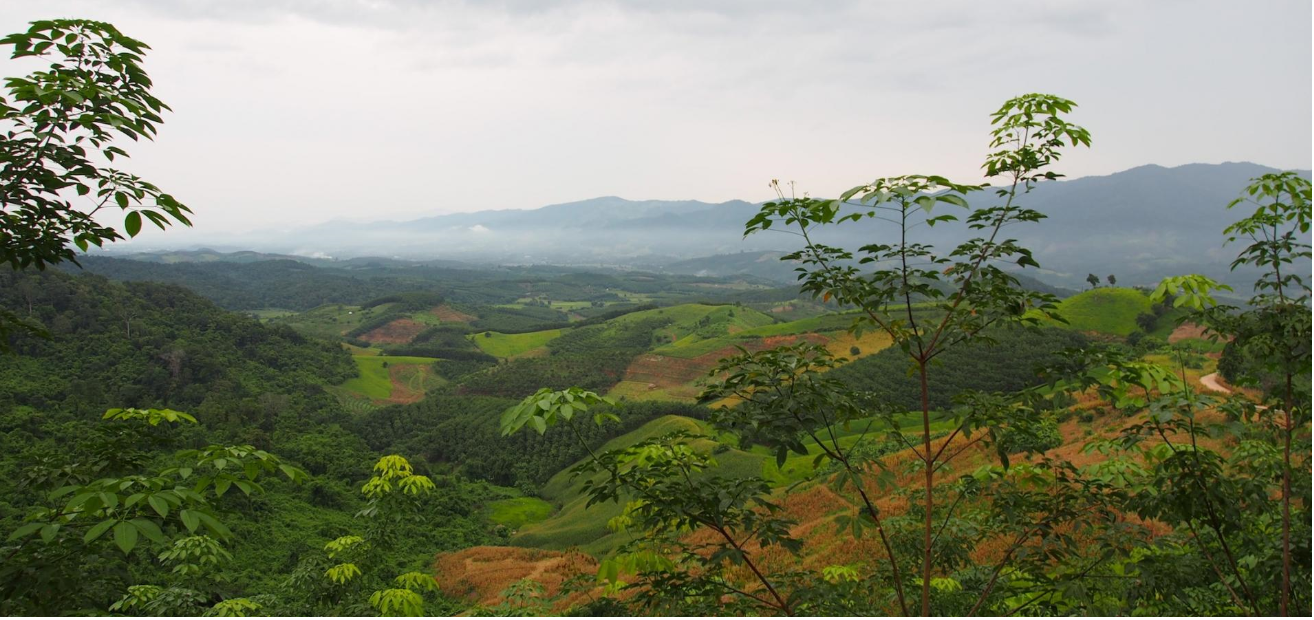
(125, 536)
(132, 223)
(98, 530)
(148, 529)
(190, 520)
(215, 526)
(25, 531)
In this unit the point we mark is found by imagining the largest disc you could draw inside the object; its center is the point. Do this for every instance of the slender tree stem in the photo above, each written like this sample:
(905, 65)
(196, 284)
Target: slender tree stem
(929, 526)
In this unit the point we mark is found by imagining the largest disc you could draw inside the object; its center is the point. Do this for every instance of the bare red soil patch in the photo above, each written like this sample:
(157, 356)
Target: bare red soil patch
(1185, 331)
(402, 392)
(661, 371)
(479, 574)
(447, 313)
(400, 331)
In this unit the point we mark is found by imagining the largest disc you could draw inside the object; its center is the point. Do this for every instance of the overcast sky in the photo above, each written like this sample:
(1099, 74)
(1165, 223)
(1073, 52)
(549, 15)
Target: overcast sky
(308, 110)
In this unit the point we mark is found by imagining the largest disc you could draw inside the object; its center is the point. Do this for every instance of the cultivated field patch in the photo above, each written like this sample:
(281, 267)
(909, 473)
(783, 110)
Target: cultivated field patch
(388, 379)
(448, 314)
(399, 331)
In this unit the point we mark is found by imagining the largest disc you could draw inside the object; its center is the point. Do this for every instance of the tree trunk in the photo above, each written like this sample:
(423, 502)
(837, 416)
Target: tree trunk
(930, 486)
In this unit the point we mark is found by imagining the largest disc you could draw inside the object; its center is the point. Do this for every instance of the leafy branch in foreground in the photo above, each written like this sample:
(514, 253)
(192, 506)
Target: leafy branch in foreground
(670, 493)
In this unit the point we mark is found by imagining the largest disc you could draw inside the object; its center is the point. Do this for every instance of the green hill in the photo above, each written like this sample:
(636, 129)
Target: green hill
(576, 526)
(510, 345)
(1105, 310)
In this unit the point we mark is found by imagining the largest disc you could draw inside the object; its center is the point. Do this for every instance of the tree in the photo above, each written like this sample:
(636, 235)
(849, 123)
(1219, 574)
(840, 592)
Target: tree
(1093, 280)
(393, 494)
(108, 505)
(785, 395)
(1275, 330)
(1028, 136)
(1111, 280)
(61, 122)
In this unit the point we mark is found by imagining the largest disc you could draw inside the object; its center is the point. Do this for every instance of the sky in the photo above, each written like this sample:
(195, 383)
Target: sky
(290, 112)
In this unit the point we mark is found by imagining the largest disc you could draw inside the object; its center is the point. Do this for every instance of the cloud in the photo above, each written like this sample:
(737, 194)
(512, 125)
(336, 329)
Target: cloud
(479, 228)
(289, 111)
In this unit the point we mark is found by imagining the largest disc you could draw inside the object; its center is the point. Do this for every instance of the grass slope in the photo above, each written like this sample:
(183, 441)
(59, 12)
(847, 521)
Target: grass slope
(1105, 310)
(516, 512)
(375, 381)
(511, 345)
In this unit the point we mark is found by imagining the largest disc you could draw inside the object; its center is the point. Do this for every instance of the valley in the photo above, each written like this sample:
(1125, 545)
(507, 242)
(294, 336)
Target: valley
(392, 391)
(439, 352)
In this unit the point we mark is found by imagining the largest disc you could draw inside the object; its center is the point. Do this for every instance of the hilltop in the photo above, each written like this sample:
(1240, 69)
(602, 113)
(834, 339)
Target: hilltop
(1143, 223)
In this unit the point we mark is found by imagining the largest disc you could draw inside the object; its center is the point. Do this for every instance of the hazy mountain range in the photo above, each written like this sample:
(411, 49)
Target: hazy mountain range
(1139, 224)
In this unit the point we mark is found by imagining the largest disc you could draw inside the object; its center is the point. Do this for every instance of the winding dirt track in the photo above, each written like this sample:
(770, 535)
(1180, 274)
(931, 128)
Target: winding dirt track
(1212, 382)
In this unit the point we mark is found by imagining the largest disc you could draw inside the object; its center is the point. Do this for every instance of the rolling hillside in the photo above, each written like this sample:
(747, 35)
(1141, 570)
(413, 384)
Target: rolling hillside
(1105, 310)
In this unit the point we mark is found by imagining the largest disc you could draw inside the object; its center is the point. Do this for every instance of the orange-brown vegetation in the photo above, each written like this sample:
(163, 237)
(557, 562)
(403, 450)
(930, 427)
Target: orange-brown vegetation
(815, 506)
(448, 314)
(400, 331)
(402, 391)
(479, 574)
(677, 374)
(1185, 331)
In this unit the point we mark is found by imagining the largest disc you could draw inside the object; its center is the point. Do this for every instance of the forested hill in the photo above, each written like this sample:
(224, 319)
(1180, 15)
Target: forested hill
(116, 345)
(142, 344)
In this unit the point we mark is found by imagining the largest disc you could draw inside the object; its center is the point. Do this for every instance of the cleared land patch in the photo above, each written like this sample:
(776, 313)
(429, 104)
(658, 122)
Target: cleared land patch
(449, 314)
(399, 331)
(480, 574)
(392, 379)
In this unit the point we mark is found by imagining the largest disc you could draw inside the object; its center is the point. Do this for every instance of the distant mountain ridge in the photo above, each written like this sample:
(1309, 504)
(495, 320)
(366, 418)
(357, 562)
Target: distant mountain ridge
(1140, 224)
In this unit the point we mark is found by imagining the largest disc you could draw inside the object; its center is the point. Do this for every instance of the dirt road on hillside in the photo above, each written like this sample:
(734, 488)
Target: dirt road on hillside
(1213, 382)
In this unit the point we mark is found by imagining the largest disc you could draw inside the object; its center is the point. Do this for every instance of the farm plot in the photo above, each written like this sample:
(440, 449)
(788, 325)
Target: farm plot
(386, 379)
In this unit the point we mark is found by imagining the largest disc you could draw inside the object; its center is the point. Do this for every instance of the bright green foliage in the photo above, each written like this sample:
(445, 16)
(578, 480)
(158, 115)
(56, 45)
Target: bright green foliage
(394, 473)
(393, 494)
(151, 416)
(416, 581)
(397, 602)
(234, 608)
(342, 573)
(545, 408)
(1191, 291)
(195, 555)
(342, 544)
(138, 597)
